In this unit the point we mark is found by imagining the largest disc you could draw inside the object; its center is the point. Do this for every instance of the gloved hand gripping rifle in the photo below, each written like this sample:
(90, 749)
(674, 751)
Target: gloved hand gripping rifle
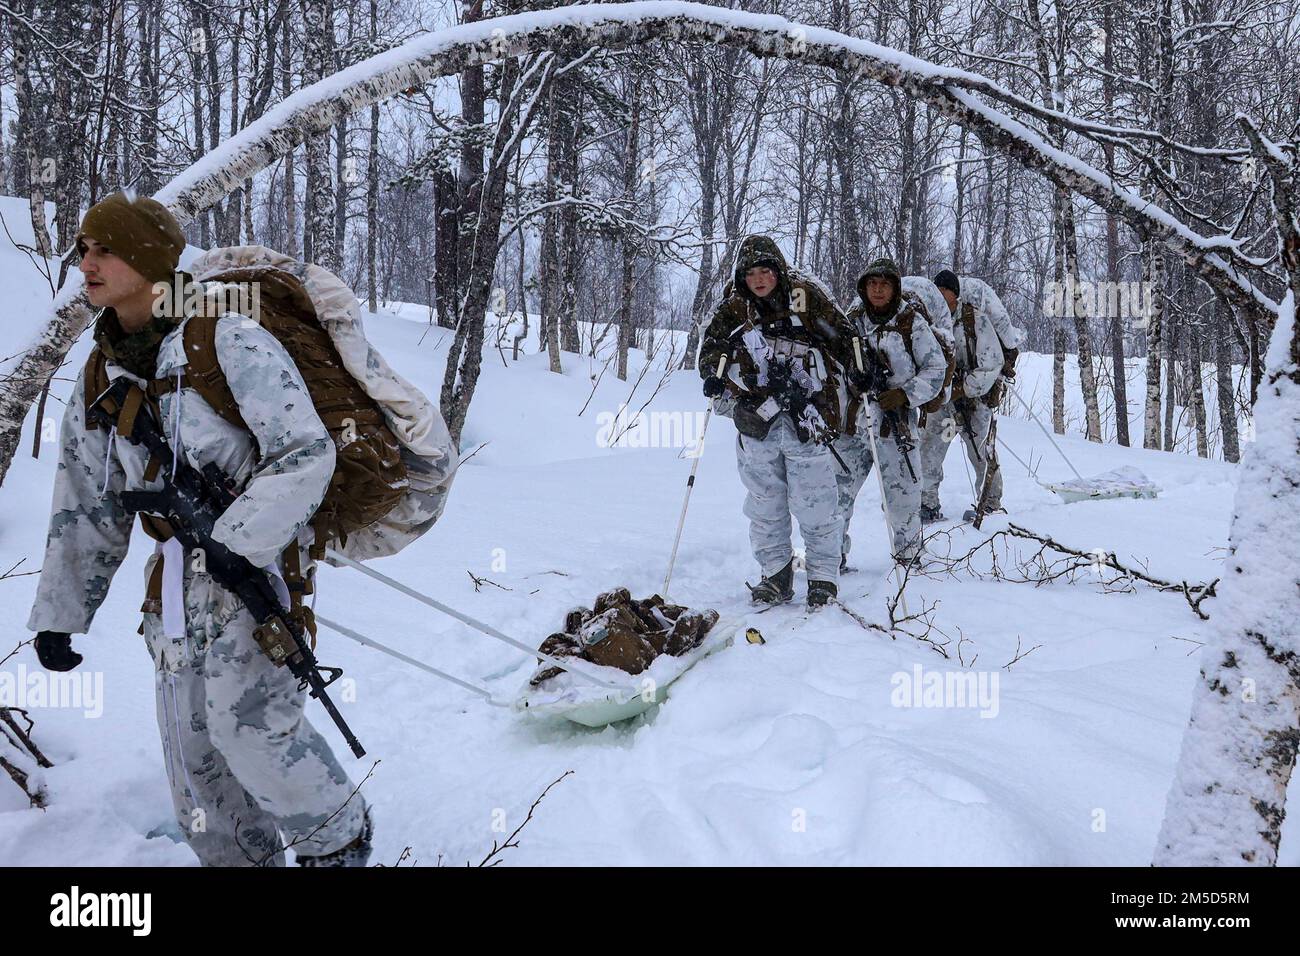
(191, 501)
(877, 376)
(789, 389)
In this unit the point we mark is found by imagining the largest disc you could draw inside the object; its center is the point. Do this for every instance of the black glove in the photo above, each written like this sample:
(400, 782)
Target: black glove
(892, 398)
(860, 380)
(54, 650)
(714, 386)
(1009, 357)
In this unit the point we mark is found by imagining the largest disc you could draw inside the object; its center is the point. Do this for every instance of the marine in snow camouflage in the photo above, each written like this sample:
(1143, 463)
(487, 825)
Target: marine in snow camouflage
(246, 766)
(979, 364)
(919, 371)
(784, 477)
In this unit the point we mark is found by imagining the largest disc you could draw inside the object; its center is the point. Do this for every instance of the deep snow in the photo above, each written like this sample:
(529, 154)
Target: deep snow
(788, 752)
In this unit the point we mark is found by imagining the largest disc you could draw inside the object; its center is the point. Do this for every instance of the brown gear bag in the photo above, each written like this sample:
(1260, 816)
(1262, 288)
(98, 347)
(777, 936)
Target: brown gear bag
(369, 475)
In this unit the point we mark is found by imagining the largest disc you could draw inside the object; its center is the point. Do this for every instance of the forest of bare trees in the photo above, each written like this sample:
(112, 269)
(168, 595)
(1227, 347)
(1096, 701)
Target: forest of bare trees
(1126, 176)
(607, 188)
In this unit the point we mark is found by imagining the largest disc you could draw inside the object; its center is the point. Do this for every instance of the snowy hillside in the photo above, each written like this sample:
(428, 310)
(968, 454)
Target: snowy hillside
(795, 751)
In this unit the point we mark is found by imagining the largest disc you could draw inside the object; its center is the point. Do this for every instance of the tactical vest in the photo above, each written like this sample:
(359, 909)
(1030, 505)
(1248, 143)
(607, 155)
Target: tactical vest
(901, 322)
(369, 476)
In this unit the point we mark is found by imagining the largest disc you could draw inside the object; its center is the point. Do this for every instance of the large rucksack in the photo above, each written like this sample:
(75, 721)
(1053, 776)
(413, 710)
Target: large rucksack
(395, 459)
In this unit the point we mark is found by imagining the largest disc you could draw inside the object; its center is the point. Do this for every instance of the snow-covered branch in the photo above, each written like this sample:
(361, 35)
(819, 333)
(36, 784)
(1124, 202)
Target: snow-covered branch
(318, 107)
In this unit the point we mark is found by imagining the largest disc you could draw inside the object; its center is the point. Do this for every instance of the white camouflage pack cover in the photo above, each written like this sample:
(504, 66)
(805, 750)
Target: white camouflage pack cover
(427, 449)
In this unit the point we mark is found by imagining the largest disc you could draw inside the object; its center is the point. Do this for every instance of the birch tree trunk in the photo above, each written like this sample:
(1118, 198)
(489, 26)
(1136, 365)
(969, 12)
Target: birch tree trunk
(631, 161)
(27, 126)
(290, 179)
(1195, 389)
(1224, 385)
(324, 252)
(1155, 278)
(1228, 797)
(1119, 370)
(1083, 338)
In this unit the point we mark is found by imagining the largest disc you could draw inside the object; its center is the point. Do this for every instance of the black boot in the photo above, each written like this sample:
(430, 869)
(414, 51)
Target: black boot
(930, 515)
(777, 589)
(356, 853)
(821, 593)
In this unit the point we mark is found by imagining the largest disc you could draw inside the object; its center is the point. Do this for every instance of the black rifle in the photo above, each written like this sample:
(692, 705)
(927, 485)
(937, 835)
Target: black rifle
(963, 407)
(793, 398)
(878, 383)
(191, 501)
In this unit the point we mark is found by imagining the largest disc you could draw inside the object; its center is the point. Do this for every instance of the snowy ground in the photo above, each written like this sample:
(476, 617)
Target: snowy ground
(790, 752)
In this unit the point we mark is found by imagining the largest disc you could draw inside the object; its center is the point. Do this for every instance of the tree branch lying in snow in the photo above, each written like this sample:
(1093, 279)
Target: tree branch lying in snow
(1051, 561)
(20, 758)
(951, 92)
(919, 625)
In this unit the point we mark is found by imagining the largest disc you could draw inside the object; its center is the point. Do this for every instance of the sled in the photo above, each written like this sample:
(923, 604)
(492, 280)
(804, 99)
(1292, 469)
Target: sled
(594, 706)
(1125, 482)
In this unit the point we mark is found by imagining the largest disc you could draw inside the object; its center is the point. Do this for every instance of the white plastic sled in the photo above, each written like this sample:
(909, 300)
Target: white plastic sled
(1126, 482)
(592, 706)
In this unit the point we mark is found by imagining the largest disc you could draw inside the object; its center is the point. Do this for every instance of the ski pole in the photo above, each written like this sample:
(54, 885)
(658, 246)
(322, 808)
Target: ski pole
(880, 477)
(487, 629)
(690, 485)
(1011, 451)
(385, 649)
(1016, 393)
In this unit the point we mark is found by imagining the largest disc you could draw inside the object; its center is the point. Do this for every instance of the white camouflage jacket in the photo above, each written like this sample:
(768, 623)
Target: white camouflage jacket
(978, 350)
(284, 467)
(921, 378)
(986, 302)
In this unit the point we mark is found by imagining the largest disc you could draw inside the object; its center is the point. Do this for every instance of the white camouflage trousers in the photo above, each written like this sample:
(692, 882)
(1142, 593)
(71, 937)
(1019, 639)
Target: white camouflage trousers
(249, 774)
(940, 429)
(902, 492)
(785, 477)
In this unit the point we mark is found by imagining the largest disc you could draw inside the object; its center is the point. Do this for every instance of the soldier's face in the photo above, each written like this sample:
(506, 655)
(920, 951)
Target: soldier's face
(951, 298)
(761, 280)
(109, 280)
(879, 290)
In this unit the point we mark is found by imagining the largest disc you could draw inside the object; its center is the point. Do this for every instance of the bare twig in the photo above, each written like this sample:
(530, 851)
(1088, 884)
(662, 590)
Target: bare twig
(1019, 655)
(270, 854)
(18, 647)
(479, 582)
(10, 573)
(513, 839)
(473, 453)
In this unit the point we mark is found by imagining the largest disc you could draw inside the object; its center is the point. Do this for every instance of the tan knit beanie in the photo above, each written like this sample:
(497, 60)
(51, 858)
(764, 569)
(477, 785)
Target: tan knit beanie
(139, 231)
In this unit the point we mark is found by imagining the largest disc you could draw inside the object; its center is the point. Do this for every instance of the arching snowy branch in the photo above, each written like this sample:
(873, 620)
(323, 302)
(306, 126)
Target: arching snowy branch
(446, 52)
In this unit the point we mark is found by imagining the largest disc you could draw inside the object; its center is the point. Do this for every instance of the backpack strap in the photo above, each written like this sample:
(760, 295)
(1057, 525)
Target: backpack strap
(203, 372)
(904, 320)
(968, 325)
(96, 381)
(903, 323)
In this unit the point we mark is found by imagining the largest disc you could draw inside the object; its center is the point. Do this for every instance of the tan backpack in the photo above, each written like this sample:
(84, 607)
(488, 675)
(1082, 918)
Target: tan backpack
(369, 478)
